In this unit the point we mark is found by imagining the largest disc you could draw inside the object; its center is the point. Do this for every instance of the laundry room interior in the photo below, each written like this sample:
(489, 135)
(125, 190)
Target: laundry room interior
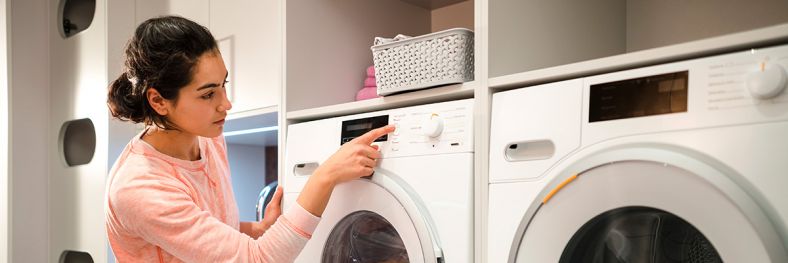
(394, 131)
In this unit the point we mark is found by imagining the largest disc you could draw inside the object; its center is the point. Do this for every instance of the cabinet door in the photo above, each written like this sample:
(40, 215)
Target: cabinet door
(248, 32)
(196, 10)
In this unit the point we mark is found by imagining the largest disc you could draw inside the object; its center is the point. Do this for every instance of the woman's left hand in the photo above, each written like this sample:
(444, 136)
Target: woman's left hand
(273, 210)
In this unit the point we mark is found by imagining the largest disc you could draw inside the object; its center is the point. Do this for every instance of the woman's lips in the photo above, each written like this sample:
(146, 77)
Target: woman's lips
(219, 122)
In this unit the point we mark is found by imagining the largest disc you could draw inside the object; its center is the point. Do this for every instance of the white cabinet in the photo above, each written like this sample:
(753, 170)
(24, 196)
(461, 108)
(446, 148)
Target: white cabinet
(196, 10)
(249, 36)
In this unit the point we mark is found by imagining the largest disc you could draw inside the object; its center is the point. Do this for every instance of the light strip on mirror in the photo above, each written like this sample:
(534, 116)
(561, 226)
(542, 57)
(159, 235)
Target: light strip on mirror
(249, 131)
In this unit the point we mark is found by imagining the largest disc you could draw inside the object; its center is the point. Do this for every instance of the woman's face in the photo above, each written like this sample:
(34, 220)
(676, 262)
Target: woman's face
(202, 104)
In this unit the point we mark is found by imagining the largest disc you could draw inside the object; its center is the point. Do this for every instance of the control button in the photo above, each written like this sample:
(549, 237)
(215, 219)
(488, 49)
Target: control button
(396, 129)
(767, 82)
(395, 149)
(433, 126)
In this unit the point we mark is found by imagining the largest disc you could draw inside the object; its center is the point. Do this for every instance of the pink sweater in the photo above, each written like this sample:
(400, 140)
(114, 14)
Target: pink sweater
(162, 209)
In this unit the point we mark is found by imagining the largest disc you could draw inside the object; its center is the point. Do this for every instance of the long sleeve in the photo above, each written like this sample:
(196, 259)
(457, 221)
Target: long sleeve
(164, 214)
(162, 209)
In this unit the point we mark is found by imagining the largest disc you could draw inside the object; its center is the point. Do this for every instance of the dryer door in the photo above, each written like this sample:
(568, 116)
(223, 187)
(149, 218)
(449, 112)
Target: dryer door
(376, 220)
(646, 211)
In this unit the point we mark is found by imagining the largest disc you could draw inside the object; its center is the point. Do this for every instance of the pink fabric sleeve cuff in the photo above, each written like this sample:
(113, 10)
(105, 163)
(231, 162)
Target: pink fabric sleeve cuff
(301, 219)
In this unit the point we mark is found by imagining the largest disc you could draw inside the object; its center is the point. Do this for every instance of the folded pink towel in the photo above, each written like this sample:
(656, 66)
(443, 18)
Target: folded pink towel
(367, 93)
(370, 82)
(371, 71)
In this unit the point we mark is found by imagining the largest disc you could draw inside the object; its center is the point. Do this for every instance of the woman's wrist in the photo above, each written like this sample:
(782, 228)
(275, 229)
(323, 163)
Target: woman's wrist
(323, 179)
(263, 226)
(254, 229)
(314, 197)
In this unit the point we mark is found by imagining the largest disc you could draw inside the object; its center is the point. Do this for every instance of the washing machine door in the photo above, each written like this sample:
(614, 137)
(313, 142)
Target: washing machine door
(668, 209)
(376, 219)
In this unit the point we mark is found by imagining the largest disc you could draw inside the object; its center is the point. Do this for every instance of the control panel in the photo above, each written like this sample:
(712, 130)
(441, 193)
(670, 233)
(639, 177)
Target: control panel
(423, 130)
(429, 129)
(731, 89)
(756, 77)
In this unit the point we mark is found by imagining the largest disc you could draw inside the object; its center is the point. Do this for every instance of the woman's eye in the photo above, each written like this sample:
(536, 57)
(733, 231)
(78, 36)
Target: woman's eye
(208, 96)
(224, 85)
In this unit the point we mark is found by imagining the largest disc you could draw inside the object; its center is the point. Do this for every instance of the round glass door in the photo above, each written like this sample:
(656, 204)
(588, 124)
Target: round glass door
(639, 234)
(645, 211)
(364, 236)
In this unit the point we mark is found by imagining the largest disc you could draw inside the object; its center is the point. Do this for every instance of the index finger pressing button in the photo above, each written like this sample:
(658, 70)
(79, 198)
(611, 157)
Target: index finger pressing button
(372, 135)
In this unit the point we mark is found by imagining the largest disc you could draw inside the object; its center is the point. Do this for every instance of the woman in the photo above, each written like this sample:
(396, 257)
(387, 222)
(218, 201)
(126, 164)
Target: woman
(169, 195)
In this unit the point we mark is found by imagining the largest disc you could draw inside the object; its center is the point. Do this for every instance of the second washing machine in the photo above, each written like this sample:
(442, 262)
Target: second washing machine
(679, 162)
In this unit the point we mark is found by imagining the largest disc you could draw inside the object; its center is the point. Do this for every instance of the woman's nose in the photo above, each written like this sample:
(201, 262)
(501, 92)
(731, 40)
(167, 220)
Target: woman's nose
(226, 105)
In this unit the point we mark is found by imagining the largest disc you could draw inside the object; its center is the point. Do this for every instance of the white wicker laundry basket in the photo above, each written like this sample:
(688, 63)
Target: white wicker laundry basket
(424, 61)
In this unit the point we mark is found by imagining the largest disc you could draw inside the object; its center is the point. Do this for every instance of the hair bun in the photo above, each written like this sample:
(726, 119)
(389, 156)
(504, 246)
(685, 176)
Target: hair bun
(123, 103)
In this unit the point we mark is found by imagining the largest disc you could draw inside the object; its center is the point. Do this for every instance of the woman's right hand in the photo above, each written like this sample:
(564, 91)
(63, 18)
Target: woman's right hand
(356, 158)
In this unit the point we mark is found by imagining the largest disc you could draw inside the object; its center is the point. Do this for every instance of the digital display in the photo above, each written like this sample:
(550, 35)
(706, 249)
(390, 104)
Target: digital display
(360, 126)
(354, 128)
(639, 97)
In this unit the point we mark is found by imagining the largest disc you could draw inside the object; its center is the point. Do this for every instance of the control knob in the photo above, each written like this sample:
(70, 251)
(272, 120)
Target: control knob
(433, 126)
(767, 82)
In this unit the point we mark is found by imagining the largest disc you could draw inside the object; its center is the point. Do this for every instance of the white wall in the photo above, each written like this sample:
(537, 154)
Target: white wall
(77, 72)
(121, 22)
(120, 28)
(526, 35)
(456, 15)
(327, 45)
(532, 34)
(29, 128)
(247, 166)
(3, 136)
(659, 23)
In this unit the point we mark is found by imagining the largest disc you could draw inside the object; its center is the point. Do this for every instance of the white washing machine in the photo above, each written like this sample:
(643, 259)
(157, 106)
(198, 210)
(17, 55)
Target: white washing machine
(418, 205)
(680, 162)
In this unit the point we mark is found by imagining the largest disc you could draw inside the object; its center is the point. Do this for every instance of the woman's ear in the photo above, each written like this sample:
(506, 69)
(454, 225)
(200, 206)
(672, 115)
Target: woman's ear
(157, 102)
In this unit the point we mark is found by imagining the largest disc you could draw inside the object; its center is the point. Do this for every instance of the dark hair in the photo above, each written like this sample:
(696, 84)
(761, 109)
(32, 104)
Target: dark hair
(161, 55)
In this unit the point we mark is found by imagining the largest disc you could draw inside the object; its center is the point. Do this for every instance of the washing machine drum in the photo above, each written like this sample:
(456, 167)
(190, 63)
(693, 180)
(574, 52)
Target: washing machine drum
(639, 234)
(364, 236)
(375, 220)
(645, 211)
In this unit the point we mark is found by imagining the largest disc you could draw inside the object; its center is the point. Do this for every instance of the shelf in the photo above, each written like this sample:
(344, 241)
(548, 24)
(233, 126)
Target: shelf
(253, 119)
(270, 112)
(254, 127)
(433, 4)
(432, 95)
(522, 38)
(710, 46)
(267, 138)
(327, 67)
